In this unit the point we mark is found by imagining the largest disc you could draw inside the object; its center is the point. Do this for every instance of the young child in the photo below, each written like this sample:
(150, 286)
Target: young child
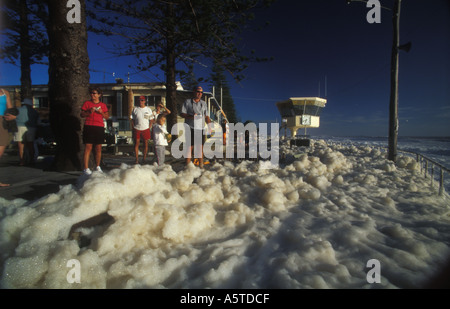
(159, 138)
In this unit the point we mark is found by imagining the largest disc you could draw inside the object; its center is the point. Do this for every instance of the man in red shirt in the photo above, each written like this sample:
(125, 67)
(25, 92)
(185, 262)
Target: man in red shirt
(94, 111)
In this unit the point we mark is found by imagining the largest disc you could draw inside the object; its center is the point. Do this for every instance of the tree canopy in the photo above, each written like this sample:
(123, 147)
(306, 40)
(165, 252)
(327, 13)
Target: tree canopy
(25, 40)
(174, 35)
(197, 30)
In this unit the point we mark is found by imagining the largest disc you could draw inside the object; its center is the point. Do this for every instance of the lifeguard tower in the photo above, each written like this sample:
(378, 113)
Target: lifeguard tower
(299, 113)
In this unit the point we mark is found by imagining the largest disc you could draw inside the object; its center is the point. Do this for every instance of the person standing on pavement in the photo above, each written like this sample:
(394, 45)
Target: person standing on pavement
(27, 122)
(159, 133)
(141, 117)
(94, 111)
(195, 113)
(5, 103)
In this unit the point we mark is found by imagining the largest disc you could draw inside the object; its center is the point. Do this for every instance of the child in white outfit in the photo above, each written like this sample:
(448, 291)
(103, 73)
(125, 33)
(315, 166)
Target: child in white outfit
(159, 138)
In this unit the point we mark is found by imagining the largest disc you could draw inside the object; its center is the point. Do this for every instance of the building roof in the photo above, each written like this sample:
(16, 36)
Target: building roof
(303, 101)
(301, 106)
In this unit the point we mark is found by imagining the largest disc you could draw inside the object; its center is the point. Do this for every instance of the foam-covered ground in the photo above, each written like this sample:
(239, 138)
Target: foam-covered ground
(312, 223)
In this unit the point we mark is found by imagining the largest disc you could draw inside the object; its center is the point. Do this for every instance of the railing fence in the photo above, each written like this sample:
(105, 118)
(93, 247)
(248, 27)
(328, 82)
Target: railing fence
(427, 166)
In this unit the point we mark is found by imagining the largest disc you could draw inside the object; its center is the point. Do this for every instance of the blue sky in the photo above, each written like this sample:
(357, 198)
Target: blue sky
(328, 41)
(317, 40)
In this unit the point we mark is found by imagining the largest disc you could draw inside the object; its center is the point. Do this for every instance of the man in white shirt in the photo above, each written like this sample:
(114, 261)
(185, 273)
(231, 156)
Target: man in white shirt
(141, 117)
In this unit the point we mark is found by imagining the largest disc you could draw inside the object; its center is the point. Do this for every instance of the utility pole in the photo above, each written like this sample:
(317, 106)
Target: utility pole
(393, 103)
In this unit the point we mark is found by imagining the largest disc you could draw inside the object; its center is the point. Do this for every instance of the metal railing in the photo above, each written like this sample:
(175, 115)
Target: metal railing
(427, 167)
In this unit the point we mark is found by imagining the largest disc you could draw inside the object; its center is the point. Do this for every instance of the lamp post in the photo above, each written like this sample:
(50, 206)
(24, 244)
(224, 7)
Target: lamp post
(393, 102)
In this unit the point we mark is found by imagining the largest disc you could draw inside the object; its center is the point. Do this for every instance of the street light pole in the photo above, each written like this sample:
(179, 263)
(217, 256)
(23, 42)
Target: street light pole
(393, 103)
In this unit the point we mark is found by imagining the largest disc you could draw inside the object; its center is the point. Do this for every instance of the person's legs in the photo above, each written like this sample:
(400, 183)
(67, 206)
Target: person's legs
(30, 137)
(157, 154)
(137, 141)
(21, 147)
(145, 137)
(200, 160)
(19, 137)
(189, 155)
(163, 154)
(98, 155)
(191, 148)
(198, 148)
(87, 154)
(145, 149)
(160, 153)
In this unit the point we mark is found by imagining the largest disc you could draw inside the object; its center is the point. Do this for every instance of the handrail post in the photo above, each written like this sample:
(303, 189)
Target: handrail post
(421, 164)
(432, 174)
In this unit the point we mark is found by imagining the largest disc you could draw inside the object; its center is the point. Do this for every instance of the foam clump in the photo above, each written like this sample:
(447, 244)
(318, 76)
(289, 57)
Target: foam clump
(313, 222)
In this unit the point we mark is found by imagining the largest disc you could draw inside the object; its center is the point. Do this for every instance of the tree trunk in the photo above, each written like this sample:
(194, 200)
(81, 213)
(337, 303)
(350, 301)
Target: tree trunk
(171, 87)
(25, 52)
(171, 90)
(68, 83)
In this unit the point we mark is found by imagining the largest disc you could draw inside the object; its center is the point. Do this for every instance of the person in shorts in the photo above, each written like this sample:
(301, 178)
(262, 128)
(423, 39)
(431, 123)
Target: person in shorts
(141, 117)
(195, 113)
(27, 122)
(94, 111)
(5, 104)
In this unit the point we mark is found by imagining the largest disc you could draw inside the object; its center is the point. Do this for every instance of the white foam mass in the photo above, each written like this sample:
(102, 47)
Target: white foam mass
(312, 223)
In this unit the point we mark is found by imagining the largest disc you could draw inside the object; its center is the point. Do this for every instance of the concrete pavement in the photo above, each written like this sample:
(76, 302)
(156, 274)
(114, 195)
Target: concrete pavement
(33, 182)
